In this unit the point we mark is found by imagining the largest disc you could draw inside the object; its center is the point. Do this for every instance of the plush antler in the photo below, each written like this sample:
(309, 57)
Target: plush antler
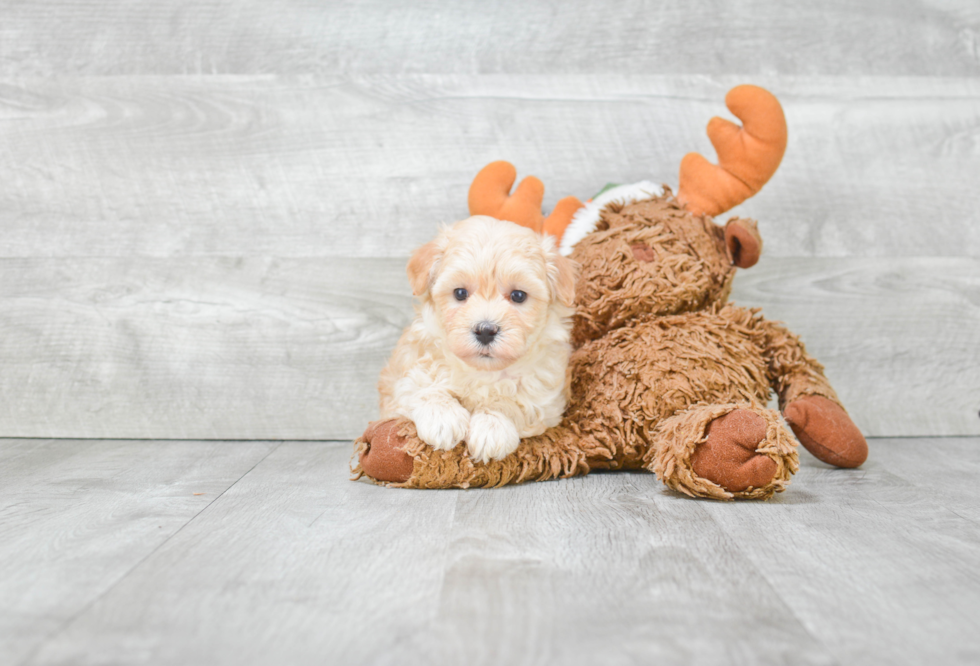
(490, 195)
(747, 156)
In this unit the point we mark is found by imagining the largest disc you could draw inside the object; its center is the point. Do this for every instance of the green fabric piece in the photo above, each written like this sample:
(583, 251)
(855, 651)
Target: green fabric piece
(606, 187)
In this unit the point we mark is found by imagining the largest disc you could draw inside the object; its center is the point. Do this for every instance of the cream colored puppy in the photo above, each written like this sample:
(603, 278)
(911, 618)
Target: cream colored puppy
(485, 358)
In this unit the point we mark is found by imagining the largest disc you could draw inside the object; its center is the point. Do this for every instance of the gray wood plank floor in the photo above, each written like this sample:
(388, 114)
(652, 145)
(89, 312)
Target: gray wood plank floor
(109, 556)
(205, 213)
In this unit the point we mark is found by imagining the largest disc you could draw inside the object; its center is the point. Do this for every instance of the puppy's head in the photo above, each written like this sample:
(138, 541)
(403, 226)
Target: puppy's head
(489, 288)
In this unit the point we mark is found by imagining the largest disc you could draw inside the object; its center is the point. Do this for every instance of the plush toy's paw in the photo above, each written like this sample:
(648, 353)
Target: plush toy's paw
(384, 458)
(729, 458)
(441, 423)
(492, 436)
(733, 451)
(825, 429)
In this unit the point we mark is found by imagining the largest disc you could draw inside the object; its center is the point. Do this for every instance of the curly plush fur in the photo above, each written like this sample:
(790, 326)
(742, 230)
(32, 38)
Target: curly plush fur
(666, 375)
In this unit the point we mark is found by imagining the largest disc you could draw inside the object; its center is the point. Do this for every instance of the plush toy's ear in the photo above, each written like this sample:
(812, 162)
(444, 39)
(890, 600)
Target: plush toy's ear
(743, 241)
(420, 267)
(562, 274)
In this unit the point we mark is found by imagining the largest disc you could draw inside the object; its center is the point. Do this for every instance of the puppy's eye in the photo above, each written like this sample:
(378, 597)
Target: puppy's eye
(518, 296)
(461, 294)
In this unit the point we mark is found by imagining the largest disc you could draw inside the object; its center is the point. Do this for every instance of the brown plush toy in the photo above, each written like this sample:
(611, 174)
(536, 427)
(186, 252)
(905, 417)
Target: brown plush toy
(666, 374)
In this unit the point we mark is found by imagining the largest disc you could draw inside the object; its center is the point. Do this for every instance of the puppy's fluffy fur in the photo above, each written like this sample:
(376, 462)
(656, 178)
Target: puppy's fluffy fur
(512, 383)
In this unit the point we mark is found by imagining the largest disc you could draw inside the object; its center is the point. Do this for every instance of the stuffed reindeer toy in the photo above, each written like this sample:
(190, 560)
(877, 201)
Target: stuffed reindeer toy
(666, 374)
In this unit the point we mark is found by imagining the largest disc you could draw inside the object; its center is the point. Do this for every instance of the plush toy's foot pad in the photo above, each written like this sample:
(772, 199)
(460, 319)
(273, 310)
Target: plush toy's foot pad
(825, 429)
(729, 458)
(385, 459)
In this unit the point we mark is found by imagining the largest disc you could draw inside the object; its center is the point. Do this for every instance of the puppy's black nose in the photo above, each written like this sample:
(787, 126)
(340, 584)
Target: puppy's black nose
(485, 332)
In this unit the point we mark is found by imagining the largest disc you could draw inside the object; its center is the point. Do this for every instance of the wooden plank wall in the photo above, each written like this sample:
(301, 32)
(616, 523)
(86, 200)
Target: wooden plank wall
(205, 208)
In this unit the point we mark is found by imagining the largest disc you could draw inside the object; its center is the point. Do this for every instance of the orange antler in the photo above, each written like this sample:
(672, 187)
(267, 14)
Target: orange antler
(490, 195)
(747, 156)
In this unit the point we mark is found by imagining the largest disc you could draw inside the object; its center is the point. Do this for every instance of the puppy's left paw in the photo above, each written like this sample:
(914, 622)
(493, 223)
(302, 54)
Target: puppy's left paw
(441, 422)
(492, 436)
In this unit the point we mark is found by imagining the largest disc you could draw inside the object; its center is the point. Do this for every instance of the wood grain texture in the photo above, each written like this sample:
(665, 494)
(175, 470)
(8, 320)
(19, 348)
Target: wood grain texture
(205, 212)
(900, 338)
(226, 348)
(291, 349)
(915, 576)
(747, 37)
(205, 206)
(370, 165)
(295, 564)
(664, 586)
(76, 517)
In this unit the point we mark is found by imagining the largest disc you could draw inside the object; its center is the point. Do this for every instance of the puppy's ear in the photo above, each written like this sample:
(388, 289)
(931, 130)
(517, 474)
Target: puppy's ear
(420, 267)
(562, 274)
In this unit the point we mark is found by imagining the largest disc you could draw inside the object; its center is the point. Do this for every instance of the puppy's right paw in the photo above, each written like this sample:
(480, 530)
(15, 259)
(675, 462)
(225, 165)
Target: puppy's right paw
(441, 424)
(492, 436)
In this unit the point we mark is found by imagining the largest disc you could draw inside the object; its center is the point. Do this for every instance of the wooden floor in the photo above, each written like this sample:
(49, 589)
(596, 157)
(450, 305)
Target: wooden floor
(205, 212)
(164, 552)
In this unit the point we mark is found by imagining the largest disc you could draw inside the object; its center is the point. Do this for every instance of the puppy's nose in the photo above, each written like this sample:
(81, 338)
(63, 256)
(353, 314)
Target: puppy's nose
(485, 332)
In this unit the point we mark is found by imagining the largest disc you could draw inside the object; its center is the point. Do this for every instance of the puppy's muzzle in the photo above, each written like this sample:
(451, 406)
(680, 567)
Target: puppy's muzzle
(485, 332)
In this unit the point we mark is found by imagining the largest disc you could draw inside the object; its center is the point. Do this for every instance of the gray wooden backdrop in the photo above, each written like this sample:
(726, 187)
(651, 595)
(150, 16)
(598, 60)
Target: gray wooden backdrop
(206, 207)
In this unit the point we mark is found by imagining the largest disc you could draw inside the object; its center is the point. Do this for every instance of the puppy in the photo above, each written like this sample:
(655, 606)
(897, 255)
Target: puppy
(485, 358)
